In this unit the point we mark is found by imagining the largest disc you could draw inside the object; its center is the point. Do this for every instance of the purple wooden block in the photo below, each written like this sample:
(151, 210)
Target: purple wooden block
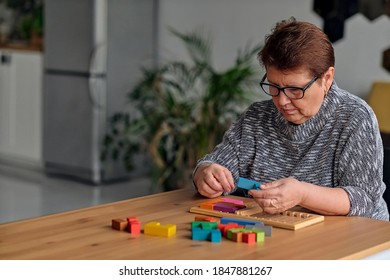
(227, 207)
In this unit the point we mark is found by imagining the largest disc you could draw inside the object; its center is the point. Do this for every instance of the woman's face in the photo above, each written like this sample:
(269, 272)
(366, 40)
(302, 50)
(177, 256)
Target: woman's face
(298, 111)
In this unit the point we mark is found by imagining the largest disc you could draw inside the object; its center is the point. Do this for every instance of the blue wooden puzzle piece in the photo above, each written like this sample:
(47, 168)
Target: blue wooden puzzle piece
(213, 235)
(248, 184)
(216, 235)
(241, 222)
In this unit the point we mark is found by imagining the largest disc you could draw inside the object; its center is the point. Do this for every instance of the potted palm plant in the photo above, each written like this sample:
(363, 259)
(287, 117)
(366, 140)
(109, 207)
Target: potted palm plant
(179, 111)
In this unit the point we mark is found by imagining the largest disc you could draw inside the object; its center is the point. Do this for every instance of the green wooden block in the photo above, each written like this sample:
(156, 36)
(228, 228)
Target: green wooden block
(204, 224)
(260, 235)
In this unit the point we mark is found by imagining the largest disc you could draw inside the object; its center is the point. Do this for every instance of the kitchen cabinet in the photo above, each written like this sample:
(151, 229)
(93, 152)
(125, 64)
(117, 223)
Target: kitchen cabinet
(21, 75)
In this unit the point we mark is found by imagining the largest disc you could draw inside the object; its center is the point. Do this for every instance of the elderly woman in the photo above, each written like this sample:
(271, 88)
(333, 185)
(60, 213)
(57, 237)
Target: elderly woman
(313, 145)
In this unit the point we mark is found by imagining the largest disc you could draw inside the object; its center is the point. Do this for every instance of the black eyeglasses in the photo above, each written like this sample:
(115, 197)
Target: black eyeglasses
(291, 92)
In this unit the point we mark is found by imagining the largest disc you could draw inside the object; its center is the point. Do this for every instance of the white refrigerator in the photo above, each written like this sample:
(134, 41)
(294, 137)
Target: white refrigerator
(93, 52)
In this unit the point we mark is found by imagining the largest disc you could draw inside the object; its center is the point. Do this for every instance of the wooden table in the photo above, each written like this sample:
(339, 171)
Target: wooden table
(87, 234)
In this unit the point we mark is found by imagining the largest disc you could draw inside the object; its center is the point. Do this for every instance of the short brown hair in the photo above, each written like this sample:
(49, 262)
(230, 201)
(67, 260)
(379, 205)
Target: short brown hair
(293, 44)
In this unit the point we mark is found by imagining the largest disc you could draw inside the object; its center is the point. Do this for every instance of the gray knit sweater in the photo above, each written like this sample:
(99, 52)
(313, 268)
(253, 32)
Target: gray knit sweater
(339, 147)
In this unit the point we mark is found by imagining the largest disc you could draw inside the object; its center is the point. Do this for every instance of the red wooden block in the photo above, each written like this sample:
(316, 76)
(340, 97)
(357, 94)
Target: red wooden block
(135, 227)
(249, 237)
(132, 219)
(225, 227)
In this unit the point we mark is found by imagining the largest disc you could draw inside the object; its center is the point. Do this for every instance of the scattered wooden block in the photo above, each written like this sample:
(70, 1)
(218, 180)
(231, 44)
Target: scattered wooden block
(200, 234)
(119, 224)
(260, 235)
(216, 235)
(249, 237)
(156, 229)
(266, 229)
(204, 224)
(237, 236)
(213, 235)
(225, 227)
(243, 222)
(132, 219)
(135, 227)
(205, 218)
(231, 232)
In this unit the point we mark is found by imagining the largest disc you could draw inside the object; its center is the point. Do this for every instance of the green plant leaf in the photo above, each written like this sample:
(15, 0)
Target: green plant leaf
(179, 111)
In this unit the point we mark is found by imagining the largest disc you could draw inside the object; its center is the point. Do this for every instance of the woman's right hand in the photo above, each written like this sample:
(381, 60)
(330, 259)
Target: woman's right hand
(213, 179)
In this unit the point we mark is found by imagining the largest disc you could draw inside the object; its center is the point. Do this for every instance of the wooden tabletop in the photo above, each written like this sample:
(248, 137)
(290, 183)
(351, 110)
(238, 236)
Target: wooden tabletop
(87, 234)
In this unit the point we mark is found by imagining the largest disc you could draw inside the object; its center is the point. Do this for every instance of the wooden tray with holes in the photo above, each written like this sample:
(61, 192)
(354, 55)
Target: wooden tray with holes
(292, 219)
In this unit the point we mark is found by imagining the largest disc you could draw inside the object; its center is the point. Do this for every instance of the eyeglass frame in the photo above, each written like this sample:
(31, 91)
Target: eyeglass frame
(308, 85)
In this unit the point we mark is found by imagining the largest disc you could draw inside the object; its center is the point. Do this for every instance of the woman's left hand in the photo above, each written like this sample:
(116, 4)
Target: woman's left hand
(279, 195)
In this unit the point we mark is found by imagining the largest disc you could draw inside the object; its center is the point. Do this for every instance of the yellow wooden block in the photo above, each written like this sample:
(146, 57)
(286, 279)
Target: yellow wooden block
(156, 229)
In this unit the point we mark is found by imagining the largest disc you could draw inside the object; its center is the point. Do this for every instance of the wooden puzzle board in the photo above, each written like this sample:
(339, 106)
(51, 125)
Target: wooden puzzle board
(291, 219)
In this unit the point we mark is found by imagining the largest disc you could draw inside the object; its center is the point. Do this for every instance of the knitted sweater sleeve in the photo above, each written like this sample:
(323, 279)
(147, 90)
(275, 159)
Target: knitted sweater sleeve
(360, 169)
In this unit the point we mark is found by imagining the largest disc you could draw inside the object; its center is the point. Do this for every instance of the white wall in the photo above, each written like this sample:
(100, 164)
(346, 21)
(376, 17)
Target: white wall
(232, 24)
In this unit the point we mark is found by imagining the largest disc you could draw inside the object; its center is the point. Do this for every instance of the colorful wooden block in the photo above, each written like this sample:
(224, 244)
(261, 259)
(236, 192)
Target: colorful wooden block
(249, 237)
(230, 232)
(231, 200)
(200, 234)
(132, 219)
(207, 205)
(119, 224)
(204, 224)
(156, 229)
(213, 235)
(247, 184)
(134, 227)
(259, 235)
(205, 218)
(224, 228)
(237, 236)
(292, 220)
(267, 229)
(216, 235)
(227, 207)
(243, 222)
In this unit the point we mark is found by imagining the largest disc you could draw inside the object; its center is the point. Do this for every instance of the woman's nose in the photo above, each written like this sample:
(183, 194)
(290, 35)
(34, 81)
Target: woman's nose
(282, 98)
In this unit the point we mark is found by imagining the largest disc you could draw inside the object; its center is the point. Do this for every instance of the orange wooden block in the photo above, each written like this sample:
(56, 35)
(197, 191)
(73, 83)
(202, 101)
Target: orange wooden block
(119, 224)
(204, 218)
(207, 205)
(237, 236)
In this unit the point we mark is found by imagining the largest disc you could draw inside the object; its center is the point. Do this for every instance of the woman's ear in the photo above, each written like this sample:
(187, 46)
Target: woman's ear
(328, 78)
